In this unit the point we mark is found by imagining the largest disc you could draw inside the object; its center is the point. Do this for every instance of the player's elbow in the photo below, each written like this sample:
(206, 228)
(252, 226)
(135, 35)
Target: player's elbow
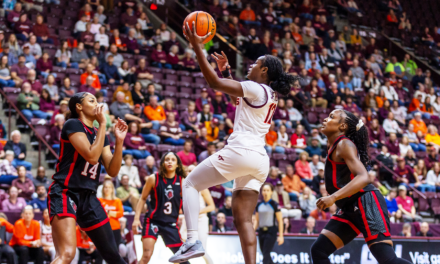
(92, 161)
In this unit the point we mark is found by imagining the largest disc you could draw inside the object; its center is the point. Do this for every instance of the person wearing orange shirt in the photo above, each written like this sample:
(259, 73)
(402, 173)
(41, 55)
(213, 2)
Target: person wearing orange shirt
(89, 72)
(113, 207)
(155, 112)
(292, 183)
(418, 123)
(248, 16)
(86, 248)
(416, 104)
(26, 238)
(271, 138)
(212, 130)
(124, 88)
(5, 249)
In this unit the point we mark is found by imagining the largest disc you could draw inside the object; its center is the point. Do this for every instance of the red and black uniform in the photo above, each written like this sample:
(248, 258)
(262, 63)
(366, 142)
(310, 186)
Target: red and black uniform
(364, 212)
(166, 202)
(73, 191)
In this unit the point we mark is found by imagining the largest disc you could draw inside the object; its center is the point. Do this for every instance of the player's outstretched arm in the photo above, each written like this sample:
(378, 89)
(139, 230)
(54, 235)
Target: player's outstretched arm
(348, 152)
(91, 152)
(149, 185)
(228, 86)
(223, 65)
(112, 162)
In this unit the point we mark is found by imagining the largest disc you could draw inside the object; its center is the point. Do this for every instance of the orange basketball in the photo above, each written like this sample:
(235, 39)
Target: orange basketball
(204, 22)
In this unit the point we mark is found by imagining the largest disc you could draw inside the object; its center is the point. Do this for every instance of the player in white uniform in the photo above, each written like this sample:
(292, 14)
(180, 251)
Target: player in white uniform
(244, 159)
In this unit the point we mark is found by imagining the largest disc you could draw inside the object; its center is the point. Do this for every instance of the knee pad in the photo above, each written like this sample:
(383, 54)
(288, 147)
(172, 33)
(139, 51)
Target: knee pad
(384, 254)
(321, 249)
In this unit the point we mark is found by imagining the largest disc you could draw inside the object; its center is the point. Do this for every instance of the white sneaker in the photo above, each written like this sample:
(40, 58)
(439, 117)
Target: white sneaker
(188, 251)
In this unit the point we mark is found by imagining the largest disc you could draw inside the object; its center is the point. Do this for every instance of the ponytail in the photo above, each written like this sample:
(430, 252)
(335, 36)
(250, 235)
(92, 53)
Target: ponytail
(279, 81)
(358, 133)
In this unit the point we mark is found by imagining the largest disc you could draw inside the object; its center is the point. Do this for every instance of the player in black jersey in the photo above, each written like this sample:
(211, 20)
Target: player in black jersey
(72, 195)
(361, 207)
(165, 190)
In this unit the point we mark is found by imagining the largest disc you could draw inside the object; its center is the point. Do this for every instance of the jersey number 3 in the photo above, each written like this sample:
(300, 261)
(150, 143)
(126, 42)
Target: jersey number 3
(168, 208)
(270, 113)
(93, 170)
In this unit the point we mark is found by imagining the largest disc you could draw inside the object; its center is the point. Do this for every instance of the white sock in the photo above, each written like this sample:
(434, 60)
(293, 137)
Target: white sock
(191, 208)
(193, 236)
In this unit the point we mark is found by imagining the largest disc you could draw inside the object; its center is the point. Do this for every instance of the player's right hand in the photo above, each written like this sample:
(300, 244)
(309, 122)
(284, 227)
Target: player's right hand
(136, 226)
(99, 113)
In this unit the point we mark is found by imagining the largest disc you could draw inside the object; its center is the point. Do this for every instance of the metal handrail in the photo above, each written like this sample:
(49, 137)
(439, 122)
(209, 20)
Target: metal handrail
(39, 137)
(396, 176)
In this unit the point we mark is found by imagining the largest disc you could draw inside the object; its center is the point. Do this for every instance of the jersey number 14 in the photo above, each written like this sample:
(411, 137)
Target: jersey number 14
(93, 170)
(270, 113)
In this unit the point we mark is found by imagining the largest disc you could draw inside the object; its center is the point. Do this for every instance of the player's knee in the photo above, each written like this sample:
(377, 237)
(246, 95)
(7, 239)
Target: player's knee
(146, 255)
(68, 255)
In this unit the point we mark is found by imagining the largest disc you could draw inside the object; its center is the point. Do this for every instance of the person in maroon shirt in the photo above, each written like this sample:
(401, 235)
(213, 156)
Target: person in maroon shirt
(159, 58)
(377, 134)
(23, 28)
(64, 108)
(173, 58)
(131, 42)
(128, 20)
(20, 69)
(405, 172)
(24, 185)
(47, 105)
(201, 143)
(41, 31)
(188, 62)
(86, 11)
(186, 156)
(393, 145)
(87, 87)
(87, 37)
(218, 195)
(36, 85)
(281, 116)
(432, 157)
(171, 131)
(135, 143)
(14, 15)
(173, 41)
(55, 132)
(44, 65)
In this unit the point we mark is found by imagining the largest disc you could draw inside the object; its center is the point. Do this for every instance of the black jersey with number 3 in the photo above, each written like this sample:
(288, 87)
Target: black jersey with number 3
(338, 174)
(72, 170)
(166, 199)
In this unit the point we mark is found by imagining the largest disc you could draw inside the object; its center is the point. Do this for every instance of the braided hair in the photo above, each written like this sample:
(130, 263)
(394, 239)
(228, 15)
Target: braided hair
(279, 81)
(359, 137)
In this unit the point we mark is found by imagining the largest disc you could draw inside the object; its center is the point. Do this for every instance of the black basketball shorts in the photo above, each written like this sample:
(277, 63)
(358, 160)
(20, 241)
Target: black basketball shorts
(168, 231)
(368, 215)
(84, 206)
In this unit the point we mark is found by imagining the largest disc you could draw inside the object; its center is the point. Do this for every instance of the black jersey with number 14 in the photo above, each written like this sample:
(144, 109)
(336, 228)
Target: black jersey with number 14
(72, 170)
(166, 199)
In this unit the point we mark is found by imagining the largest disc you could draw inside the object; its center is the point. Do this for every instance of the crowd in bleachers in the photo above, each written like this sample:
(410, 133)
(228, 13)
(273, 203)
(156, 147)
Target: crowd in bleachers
(143, 75)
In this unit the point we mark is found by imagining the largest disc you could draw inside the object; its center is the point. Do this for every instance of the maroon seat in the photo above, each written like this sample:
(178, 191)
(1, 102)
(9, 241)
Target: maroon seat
(279, 156)
(186, 90)
(172, 77)
(188, 79)
(68, 22)
(171, 88)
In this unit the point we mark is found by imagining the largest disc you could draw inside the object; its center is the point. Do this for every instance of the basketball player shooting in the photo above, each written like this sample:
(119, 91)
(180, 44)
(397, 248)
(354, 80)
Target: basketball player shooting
(244, 159)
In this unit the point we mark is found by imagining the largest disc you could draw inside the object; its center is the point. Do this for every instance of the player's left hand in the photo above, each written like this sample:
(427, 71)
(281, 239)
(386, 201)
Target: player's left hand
(325, 202)
(191, 35)
(121, 129)
(222, 61)
(280, 240)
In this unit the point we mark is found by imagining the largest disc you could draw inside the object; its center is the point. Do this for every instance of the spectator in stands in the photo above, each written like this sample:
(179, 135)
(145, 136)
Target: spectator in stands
(189, 118)
(118, 43)
(186, 156)
(8, 173)
(102, 38)
(129, 195)
(393, 210)
(405, 172)
(303, 169)
(123, 110)
(14, 15)
(391, 126)
(67, 91)
(29, 103)
(47, 105)
(79, 56)
(310, 227)
(424, 230)
(85, 247)
(144, 76)
(281, 115)
(5, 74)
(24, 185)
(44, 66)
(220, 226)
(385, 158)
(41, 178)
(292, 183)
(218, 194)
(13, 203)
(114, 209)
(427, 38)
(212, 128)
(52, 90)
(125, 89)
(282, 143)
(406, 205)
(247, 16)
(63, 56)
(41, 31)
(393, 145)
(404, 146)
(210, 148)
(171, 131)
(131, 42)
(134, 143)
(418, 78)
(20, 69)
(395, 66)
(40, 202)
(159, 58)
(89, 72)
(26, 239)
(298, 140)
(23, 28)
(87, 87)
(128, 20)
(80, 26)
(30, 60)
(410, 66)
(136, 94)
(314, 148)
(34, 48)
(419, 124)
(188, 61)
(432, 177)
(155, 113)
(46, 235)
(203, 100)
(150, 166)
(227, 206)
(432, 137)
(273, 176)
(111, 71)
(406, 230)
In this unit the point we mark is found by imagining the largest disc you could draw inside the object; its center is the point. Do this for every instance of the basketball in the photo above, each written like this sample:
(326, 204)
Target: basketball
(204, 22)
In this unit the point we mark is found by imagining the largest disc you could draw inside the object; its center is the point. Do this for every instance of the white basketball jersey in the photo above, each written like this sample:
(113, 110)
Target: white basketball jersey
(46, 233)
(253, 116)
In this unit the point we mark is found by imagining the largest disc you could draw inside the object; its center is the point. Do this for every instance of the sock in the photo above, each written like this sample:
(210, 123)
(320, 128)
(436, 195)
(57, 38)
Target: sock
(191, 209)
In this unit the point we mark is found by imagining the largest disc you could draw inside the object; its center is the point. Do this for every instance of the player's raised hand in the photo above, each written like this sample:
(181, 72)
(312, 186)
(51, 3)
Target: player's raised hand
(222, 61)
(121, 129)
(191, 35)
(136, 226)
(100, 116)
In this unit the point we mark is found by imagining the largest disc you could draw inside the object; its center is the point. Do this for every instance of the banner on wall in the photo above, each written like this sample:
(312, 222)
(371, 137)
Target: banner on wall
(226, 249)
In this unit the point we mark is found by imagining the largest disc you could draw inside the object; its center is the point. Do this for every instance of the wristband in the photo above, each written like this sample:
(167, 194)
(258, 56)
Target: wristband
(226, 73)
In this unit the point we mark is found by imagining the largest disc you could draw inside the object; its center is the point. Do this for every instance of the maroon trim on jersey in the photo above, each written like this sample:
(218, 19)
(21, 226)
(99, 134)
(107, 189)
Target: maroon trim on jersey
(72, 166)
(381, 214)
(103, 222)
(347, 222)
(62, 142)
(258, 106)
(85, 126)
(155, 195)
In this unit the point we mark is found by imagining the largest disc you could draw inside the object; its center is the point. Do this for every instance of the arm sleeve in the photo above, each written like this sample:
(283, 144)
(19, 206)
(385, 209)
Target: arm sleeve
(19, 233)
(275, 206)
(9, 227)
